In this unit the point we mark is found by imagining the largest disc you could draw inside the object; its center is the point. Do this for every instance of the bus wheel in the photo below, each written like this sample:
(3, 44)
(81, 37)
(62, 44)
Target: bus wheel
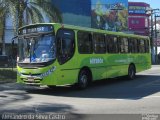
(131, 72)
(83, 79)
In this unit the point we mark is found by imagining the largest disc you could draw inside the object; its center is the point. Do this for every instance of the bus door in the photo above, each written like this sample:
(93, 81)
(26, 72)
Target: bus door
(65, 56)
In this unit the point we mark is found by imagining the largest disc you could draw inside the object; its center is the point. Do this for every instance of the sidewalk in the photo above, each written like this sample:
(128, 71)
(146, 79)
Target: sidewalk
(8, 75)
(155, 63)
(7, 81)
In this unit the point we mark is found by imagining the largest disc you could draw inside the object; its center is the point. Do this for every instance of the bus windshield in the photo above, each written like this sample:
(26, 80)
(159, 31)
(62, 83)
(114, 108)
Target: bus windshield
(37, 49)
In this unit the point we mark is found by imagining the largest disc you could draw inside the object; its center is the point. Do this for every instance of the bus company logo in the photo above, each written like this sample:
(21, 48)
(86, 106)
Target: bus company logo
(48, 72)
(124, 60)
(96, 61)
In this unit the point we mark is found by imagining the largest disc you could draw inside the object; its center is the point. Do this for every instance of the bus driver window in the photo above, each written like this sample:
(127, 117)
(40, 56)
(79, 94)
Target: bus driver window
(44, 56)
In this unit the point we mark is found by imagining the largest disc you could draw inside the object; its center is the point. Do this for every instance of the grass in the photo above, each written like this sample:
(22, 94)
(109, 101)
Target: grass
(8, 74)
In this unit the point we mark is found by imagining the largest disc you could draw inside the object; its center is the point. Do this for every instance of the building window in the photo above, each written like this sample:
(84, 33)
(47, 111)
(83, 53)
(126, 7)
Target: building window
(135, 21)
(146, 22)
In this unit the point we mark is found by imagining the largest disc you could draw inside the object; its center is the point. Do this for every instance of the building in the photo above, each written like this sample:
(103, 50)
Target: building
(101, 14)
(74, 12)
(6, 35)
(109, 14)
(138, 19)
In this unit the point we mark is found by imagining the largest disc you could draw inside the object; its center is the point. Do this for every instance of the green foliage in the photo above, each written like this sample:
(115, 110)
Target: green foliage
(23, 12)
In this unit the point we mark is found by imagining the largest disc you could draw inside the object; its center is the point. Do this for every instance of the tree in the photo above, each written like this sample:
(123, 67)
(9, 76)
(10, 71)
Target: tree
(24, 12)
(2, 18)
(30, 11)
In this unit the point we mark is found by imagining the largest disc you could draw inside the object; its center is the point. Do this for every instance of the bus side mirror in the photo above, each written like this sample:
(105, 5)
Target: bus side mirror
(12, 43)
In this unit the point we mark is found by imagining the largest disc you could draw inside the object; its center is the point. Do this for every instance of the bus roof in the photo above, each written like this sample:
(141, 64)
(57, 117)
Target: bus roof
(90, 30)
(103, 31)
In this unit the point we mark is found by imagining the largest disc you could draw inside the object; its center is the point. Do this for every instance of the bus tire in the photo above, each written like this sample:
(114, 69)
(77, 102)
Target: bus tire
(83, 79)
(131, 72)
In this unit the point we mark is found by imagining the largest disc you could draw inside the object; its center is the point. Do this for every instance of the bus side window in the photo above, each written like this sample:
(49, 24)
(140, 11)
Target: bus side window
(146, 46)
(141, 46)
(65, 45)
(84, 42)
(109, 44)
(131, 46)
(99, 43)
(136, 45)
(123, 45)
(112, 44)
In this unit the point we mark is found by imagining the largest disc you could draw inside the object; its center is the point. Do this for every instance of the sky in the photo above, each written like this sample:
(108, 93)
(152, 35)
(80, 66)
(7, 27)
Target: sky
(153, 3)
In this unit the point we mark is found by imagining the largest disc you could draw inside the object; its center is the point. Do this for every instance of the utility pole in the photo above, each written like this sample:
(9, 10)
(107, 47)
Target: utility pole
(155, 40)
(151, 31)
(156, 37)
(151, 12)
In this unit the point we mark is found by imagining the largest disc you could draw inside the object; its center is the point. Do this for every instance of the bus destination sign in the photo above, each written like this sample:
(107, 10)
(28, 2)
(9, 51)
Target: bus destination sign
(36, 29)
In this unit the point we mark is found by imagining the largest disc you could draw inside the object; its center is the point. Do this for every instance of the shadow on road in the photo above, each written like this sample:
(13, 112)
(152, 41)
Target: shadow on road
(43, 111)
(118, 88)
(15, 100)
(40, 108)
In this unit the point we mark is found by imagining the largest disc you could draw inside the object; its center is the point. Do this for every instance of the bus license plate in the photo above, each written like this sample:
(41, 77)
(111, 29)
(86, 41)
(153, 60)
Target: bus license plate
(31, 79)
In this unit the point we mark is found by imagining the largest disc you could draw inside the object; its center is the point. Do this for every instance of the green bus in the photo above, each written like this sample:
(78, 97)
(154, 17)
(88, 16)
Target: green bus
(54, 54)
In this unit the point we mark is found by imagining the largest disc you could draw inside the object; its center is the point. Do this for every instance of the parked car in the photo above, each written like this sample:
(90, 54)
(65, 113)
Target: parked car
(4, 61)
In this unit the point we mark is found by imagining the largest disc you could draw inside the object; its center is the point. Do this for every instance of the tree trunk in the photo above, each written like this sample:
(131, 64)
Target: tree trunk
(3, 37)
(20, 13)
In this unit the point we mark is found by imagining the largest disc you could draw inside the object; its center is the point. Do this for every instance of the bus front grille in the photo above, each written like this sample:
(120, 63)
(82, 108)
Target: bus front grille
(34, 82)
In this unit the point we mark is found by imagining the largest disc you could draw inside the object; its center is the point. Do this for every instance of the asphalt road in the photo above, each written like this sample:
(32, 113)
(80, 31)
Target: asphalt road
(113, 97)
